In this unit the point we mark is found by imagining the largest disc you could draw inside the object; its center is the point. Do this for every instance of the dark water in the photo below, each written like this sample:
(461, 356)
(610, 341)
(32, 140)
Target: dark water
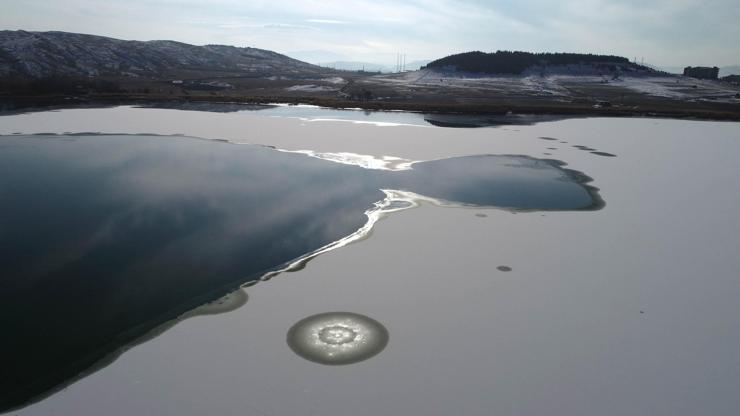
(105, 237)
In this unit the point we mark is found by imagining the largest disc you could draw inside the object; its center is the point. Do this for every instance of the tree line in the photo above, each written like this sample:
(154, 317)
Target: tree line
(515, 62)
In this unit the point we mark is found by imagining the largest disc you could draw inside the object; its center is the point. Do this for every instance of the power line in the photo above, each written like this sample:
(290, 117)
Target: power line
(400, 62)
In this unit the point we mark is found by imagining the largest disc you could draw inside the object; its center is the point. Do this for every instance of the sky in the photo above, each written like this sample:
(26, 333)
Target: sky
(667, 33)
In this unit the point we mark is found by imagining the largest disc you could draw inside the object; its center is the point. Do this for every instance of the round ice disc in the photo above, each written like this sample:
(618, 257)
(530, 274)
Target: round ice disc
(336, 338)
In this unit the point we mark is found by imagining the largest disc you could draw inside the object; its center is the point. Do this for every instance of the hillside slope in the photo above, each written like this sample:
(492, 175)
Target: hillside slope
(46, 54)
(515, 63)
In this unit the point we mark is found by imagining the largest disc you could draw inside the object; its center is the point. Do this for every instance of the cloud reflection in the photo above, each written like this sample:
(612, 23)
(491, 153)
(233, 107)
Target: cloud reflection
(114, 235)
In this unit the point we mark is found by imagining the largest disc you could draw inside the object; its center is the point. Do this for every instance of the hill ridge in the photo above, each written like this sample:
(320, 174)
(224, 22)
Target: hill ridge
(516, 62)
(57, 53)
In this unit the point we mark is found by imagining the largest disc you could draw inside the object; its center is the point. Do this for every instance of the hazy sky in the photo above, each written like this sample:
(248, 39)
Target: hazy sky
(664, 32)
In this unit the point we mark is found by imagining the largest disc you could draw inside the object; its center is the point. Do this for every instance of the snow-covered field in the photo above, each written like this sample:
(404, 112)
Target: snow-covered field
(558, 85)
(309, 88)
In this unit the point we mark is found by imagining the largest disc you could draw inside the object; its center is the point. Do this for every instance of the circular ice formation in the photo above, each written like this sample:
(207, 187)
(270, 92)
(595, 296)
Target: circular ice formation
(337, 335)
(337, 338)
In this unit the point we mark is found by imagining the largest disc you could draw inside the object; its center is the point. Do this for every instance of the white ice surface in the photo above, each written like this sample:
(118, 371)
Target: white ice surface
(561, 334)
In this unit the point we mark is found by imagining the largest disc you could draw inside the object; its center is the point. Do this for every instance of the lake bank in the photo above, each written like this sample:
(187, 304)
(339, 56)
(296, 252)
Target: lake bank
(671, 109)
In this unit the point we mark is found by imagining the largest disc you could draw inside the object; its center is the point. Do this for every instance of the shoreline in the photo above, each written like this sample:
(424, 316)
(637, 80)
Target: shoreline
(664, 109)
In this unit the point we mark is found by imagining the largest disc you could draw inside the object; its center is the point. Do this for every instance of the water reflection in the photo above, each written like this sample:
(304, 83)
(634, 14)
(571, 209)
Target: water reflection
(504, 181)
(107, 237)
(312, 112)
(302, 111)
(488, 120)
(337, 338)
(207, 106)
(228, 303)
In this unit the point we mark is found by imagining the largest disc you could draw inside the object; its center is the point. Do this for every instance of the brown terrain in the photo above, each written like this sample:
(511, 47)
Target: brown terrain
(58, 68)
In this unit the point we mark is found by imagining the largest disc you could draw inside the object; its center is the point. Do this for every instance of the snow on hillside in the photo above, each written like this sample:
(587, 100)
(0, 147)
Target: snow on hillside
(42, 54)
(558, 83)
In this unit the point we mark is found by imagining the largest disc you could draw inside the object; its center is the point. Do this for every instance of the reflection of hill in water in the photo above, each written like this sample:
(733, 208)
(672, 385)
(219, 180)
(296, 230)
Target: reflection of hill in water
(324, 113)
(107, 237)
(313, 112)
(462, 120)
(206, 106)
(307, 112)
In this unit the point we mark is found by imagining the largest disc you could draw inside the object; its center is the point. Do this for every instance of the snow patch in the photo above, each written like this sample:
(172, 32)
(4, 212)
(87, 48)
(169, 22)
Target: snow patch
(309, 88)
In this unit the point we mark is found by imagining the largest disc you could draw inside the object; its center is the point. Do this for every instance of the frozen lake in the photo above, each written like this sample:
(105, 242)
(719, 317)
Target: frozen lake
(627, 309)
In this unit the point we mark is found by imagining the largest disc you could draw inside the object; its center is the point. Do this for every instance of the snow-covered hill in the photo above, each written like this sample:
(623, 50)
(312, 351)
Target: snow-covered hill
(44, 54)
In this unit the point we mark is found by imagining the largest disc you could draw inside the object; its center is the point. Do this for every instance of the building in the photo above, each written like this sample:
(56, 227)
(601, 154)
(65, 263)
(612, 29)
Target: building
(702, 72)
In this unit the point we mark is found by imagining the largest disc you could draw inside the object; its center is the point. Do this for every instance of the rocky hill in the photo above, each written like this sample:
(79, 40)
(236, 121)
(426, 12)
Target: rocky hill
(61, 54)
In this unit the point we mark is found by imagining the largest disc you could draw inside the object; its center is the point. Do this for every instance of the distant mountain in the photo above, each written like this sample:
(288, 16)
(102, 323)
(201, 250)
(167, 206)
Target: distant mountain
(723, 70)
(506, 62)
(668, 69)
(729, 70)
(415, 65)
(317, 56)
(357, 66)
(372, 67)
(47, 54)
